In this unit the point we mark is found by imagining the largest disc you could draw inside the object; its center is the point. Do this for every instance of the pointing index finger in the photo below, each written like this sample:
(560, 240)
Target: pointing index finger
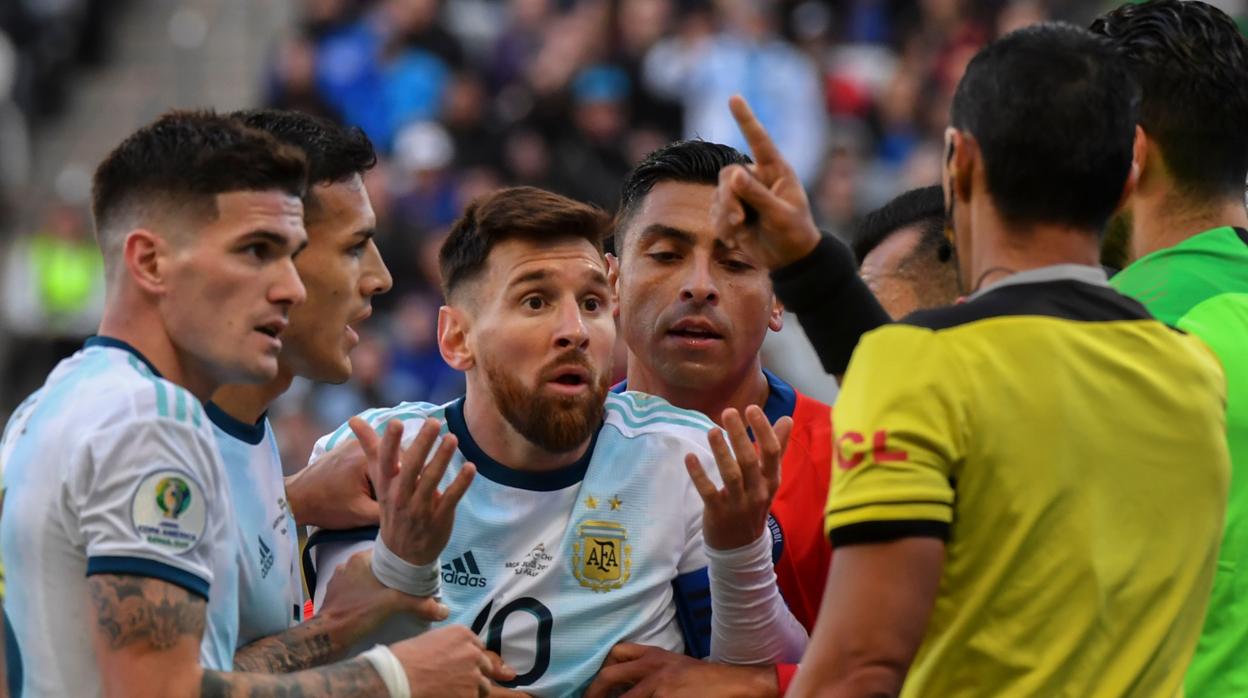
(761, 146)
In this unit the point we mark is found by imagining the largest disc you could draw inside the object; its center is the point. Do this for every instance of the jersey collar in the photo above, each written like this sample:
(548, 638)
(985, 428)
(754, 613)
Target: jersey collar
(248, 433)
(545, 481)
(781, 397)
(100, 340)
(1054, 272)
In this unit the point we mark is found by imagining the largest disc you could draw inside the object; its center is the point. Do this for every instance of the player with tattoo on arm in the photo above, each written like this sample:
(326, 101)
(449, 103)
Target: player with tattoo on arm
(116, 529)
(341, 270)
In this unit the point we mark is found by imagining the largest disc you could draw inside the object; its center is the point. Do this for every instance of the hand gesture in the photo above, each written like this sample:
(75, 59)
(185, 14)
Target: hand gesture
(416, 518)
(736, 515)
(784, 231)
(334, 491)
(451, 662)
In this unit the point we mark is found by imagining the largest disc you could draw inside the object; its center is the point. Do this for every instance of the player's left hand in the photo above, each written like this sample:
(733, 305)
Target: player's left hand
(334, 491)
(736, 515)
(650, 671)
(416, 518)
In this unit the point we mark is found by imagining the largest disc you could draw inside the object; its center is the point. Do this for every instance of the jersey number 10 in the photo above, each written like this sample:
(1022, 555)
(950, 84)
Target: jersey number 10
(494, 635)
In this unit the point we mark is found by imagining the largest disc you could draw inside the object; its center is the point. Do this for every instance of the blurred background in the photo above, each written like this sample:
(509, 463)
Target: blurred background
(463, 96)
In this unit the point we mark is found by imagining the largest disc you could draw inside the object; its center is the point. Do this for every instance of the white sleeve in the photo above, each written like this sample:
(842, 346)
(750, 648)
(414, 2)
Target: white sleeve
(149, 501)
(750, 623)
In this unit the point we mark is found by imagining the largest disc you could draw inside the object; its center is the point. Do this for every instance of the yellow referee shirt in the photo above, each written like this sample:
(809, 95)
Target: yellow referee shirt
(1071, 450)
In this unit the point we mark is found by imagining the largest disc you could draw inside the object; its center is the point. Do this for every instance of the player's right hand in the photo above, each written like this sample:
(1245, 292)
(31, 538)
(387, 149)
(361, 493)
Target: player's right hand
(450, 661)
(785, 230)
(416, 518)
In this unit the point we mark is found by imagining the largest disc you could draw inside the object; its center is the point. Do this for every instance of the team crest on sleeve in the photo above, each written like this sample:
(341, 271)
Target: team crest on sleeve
(168, 511)
(601, 557)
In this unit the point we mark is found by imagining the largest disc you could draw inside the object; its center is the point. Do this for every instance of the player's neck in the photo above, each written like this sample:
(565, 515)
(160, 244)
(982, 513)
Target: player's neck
(500, 441)
(247, 403)
(738, 391)
(143, 331)
(1011, 250)
(1162, 221)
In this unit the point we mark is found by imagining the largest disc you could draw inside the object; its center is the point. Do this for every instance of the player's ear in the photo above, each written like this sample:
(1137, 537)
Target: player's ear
(146, 258)
(453, 325)
(961, 161)
(613, 280)
(1139, 157)
(775, 322)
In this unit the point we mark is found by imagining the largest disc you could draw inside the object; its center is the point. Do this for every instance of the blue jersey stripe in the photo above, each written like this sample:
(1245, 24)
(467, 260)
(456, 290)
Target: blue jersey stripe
(142, 567)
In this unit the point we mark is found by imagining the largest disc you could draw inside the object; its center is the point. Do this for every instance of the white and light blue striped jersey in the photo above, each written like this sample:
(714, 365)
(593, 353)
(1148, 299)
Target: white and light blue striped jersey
(553, 568)
(269, 592)
(108, 469)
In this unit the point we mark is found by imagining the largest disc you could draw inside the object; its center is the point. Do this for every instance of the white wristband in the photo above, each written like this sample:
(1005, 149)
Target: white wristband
(401, 575)
(391, 671)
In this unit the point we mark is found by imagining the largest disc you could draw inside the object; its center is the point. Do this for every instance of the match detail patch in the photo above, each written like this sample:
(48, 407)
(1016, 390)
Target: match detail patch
(169, 510)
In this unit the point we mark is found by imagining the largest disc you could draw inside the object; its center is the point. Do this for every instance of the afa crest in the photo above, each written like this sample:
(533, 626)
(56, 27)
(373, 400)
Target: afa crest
(601, 557)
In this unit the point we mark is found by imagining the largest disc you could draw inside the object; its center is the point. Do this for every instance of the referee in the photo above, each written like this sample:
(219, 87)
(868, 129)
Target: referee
(1030, 487)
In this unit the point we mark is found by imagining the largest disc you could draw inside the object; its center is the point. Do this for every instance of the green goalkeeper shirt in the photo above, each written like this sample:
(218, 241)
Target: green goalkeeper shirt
(1201, 287)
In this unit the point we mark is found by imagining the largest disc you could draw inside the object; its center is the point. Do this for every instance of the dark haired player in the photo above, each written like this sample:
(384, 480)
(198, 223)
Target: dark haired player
(903, 255)
(580, 530)
(694, 314)
(1188, 235)
(342, 270)
(990, 538)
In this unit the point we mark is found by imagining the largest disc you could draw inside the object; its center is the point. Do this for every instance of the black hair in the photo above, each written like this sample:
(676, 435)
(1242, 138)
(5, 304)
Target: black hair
(183, 160)
(923, 207)
(691, 161)
(1191, 62)
(335, 153)
(526, 213)
(1053, 109)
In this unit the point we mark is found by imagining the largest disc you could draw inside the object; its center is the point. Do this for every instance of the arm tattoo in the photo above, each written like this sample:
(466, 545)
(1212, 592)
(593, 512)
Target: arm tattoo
(304, 646)
(130, 610)
(355, 677)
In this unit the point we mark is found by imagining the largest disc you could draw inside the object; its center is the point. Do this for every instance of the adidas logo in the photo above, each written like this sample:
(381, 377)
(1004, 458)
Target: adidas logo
(463, 571)
(266, 558)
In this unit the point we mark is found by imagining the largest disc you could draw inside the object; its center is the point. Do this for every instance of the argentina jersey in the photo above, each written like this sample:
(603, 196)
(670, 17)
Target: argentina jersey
(552, 569)
(108, 469)
(267, 596)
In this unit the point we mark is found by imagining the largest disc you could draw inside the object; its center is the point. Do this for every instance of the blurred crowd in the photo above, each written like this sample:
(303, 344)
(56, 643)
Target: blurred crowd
(464, 96)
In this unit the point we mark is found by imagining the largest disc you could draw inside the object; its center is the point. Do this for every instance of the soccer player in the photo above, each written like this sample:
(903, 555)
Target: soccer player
(1188, 234)
(116, 520)
(1002, 487)
(581, 528)
(694, 314)
(342, 270)
(903, 255)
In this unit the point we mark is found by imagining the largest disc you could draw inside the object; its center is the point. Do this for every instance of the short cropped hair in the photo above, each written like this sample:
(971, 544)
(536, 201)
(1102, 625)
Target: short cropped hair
(335, 153)
(524, 213)
(1192, 64)
(923, 208)
(691, 162)
(181, 162)
(1053, 108)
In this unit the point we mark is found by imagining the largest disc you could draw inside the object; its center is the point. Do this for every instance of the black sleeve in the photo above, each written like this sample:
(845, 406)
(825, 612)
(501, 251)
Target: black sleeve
(834, 306)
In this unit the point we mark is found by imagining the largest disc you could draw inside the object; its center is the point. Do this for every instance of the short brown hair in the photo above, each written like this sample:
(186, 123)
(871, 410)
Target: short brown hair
(182, 161)
(525, 213)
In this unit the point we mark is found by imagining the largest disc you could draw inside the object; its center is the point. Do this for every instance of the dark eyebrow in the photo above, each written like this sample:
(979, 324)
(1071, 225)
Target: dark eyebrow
(272, 238)
(366, 235)
(660, 231)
